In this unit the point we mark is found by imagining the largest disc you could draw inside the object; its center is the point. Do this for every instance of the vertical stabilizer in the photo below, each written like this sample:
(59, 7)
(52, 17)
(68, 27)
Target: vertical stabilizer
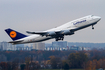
(14, 35)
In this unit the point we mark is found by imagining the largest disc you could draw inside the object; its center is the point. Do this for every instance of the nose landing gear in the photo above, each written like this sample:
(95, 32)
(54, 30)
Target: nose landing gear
(92, 27)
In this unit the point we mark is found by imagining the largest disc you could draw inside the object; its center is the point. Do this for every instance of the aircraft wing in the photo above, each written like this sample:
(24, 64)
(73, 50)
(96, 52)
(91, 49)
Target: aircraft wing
(45, 33)
(52, 33)
(40, 33)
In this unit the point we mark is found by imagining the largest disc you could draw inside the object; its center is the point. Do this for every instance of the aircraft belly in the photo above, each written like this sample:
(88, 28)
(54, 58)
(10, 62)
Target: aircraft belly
(42, 38)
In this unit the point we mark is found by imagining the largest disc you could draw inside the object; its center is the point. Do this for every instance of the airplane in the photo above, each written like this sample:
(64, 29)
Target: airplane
(58, 33)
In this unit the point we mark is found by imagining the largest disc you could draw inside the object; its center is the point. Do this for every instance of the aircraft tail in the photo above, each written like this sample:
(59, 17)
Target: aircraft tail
(14, 35)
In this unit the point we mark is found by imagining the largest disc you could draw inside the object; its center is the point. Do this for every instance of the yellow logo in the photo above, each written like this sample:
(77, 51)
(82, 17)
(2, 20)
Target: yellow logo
(13, 34)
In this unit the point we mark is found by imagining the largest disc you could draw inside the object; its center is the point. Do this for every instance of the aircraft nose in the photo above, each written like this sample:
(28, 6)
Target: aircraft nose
(97, 18)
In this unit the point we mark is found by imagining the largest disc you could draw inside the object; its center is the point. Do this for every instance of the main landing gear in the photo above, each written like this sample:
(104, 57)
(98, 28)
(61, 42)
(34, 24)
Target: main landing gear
(59, 38)
(92, 27)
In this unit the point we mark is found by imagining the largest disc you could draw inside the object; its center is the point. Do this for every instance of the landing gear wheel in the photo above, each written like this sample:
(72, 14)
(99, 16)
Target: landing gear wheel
(92, 27)
(56, 39)
(62, 38)
(59, 38)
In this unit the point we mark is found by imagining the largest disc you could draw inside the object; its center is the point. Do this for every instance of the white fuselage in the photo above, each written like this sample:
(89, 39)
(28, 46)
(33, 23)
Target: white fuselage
(72, 25)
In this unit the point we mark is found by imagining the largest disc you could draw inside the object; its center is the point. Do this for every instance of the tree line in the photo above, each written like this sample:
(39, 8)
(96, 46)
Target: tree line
(32, 60)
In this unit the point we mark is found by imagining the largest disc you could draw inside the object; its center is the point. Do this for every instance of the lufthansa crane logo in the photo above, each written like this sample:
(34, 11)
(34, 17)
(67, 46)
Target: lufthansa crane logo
(13, 34)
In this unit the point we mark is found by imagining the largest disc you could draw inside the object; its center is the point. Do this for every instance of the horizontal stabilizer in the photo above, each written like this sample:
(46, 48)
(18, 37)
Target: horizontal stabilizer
(15, 41)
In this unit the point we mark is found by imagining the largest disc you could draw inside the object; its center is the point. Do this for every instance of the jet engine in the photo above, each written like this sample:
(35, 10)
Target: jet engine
(51, 33)
(67, 32)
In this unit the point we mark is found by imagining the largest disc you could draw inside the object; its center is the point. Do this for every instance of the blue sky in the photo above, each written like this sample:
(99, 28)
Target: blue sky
(40, 15)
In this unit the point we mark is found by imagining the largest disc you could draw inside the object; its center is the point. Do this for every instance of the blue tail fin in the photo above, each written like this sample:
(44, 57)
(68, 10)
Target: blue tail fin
(14, 34)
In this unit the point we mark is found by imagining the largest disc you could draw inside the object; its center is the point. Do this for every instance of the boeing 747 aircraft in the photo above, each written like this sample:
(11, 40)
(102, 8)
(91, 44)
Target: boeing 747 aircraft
(58, 33)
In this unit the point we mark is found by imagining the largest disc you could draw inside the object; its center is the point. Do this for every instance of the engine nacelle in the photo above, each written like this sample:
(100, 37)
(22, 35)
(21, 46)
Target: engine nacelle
(67, 32)
(51, 33)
